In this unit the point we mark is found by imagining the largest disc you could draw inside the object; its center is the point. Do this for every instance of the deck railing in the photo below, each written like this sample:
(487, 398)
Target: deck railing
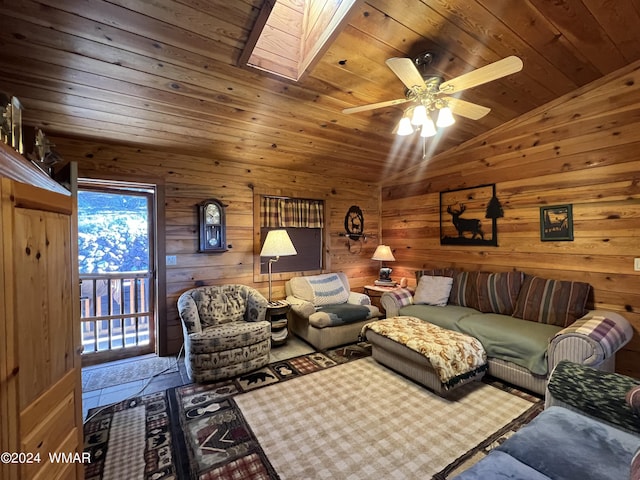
(115, 311)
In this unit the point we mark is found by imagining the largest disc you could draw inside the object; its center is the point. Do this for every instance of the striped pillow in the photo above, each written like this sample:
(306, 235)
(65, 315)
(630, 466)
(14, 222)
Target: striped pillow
(327, 289)
(555, 302)
(498, 292)
(463, 291)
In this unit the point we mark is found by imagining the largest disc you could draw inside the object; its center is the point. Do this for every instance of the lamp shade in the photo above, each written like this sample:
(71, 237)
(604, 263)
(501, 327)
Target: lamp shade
(404, 127)
(419, 116)
(445, 118)
(278, 244)
(383, 253)
(428, 129)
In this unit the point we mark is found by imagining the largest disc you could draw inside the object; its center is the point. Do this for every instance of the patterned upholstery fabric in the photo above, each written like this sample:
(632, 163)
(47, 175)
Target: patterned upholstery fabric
(229, 336)
(498, 292)
(599, 394)
(403, 296)
(224, 330)
(555, 302)
(463, 291)
(610, 335)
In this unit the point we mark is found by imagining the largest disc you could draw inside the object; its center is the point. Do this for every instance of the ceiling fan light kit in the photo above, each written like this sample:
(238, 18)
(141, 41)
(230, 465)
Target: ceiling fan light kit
(428, 129)
(404, 127)
(445, 118)
(430, 93)
(419, 116)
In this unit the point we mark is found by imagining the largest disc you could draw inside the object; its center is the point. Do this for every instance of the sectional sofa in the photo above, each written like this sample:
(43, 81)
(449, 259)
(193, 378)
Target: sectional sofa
(526, 324)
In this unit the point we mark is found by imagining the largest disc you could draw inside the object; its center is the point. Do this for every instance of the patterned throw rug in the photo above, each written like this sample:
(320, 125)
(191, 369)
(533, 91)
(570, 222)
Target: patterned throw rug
(357, 418)
(95, 378)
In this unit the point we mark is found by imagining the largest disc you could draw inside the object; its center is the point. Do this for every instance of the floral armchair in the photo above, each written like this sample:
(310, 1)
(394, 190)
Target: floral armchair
(225, 332)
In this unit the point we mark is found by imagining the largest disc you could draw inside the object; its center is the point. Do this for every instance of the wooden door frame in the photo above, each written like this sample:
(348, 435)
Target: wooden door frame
(156, 245)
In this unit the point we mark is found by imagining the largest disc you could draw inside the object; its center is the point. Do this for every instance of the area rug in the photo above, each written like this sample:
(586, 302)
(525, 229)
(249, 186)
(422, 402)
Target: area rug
(199, 431)
(143, 437)
(95, 378)
(361, 420)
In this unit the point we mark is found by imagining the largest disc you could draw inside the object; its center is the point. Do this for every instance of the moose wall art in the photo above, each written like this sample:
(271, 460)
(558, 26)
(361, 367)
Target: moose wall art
(469, 216)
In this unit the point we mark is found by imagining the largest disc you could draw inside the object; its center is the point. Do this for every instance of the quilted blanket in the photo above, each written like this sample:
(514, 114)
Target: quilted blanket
(454, 356)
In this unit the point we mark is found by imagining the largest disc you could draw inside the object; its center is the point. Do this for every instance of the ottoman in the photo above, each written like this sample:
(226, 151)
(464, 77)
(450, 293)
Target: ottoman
(435, 357)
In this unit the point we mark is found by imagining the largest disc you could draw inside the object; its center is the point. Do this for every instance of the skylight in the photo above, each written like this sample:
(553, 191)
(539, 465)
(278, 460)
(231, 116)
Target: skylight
(290, 35)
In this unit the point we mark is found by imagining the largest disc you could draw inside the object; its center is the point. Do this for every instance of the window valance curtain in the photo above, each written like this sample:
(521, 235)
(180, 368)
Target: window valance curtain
(279, 212)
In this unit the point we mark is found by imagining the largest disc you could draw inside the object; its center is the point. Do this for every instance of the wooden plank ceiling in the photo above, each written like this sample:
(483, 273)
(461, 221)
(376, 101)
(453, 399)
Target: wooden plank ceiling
(164, 73)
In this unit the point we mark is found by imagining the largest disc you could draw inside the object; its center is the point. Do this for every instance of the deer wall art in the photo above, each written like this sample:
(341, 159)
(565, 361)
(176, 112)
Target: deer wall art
(463, 213)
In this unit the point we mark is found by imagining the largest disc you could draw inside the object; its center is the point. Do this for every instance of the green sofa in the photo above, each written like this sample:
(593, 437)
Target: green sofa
(526, 324)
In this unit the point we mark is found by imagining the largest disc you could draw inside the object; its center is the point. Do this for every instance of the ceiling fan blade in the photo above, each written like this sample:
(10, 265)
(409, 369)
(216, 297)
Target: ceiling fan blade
(466, 109)
(406, 71)
(485, 74)
(373, 106)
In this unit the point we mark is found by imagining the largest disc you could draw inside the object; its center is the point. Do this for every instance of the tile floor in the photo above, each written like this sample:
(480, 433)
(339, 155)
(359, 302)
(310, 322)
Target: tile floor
(97, 398)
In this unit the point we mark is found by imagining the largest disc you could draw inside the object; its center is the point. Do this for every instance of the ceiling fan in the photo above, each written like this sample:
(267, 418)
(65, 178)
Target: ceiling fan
(430, 93)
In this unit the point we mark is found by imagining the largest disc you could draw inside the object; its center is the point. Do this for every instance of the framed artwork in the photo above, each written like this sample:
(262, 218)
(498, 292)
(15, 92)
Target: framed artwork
(556, 223)
(468, 216)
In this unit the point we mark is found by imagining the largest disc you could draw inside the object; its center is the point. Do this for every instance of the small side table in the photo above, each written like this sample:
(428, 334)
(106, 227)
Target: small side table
(375, 292)
(277, 315)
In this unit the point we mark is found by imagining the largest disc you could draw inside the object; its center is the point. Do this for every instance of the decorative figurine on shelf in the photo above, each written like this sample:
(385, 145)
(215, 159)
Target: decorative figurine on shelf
(16, 125)
(5, 119)
(42, 155)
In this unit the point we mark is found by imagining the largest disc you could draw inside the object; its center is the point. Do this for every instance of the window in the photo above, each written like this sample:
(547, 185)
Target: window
(304, 221)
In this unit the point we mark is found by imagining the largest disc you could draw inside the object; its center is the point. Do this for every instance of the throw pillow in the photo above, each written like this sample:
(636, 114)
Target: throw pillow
(498, 292)
(463, 291)
(433, 290)
(555, 302)
(633, 399)
(327, 289)
(436, 272)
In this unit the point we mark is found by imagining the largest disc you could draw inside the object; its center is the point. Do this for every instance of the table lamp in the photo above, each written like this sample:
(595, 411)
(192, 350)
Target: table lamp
(277, 244)
(383, 254)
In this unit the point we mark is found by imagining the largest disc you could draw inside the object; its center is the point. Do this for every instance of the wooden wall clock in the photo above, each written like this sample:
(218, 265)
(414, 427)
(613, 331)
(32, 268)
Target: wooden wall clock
(213, 237)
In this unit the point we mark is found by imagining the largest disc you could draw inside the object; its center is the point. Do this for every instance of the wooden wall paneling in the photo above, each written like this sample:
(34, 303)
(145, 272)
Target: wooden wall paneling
(166, 74)
(581, 150)
(189, 179)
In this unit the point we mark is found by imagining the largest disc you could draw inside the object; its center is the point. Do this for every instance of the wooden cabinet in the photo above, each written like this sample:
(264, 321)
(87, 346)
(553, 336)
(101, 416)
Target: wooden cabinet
(40, 369)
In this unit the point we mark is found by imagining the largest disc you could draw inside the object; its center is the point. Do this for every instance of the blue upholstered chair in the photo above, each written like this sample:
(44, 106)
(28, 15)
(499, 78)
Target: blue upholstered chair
(225, 332)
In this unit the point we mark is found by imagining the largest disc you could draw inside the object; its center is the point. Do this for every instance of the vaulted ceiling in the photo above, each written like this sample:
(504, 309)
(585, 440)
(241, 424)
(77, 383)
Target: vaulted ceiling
(165, 73)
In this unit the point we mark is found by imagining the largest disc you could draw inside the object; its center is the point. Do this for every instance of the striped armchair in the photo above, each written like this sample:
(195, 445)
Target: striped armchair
(225, 332)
